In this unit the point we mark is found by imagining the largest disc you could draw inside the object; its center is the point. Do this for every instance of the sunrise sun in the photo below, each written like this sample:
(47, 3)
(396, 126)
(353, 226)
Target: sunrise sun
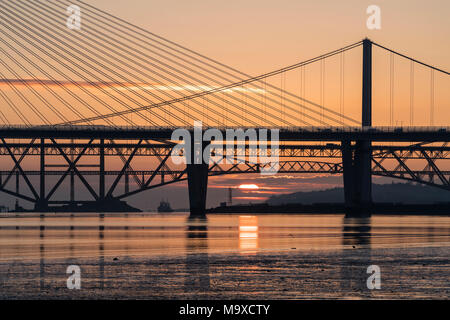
(249, 186)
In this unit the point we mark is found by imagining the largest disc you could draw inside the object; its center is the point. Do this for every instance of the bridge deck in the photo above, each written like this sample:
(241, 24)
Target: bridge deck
(407, 134)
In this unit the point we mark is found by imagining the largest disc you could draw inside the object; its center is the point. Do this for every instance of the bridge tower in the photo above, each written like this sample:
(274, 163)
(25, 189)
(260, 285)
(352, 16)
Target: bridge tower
(197, 174)
(357, 157)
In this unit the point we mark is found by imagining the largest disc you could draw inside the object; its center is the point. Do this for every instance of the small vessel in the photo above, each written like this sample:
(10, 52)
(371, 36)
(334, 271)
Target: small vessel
(164, 206)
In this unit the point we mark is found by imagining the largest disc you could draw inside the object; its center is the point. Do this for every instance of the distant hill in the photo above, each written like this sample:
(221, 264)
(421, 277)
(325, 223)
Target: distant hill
(396, 193)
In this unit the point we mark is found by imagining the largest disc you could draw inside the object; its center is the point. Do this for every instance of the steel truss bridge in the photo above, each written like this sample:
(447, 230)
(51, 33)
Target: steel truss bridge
(97, 107)
(298, 153)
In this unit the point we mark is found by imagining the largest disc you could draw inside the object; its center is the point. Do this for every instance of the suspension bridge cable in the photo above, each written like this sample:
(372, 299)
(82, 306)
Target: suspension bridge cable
(138, 71)
(63, 49)
(112, 85)
(43, 83)
(304, 83)
(412, 59)
(127, 25)
(62, 85)
(241, 83)
(4, 118)
(143, 66)
(342, 83)
(300, 70)
(22, 97)
(170, 67)
(45, 52)
(14, 108)
(411, 93)
(142, 32)
(69, 50)
(140, 45)
(432, 98)
(131, 84)
(113, 88)
(392, 87)
(244, 92)
(322, 86)
(26, 83)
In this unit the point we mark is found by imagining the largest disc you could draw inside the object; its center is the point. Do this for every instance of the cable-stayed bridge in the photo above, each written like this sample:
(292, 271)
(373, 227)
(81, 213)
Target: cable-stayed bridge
(96, 108)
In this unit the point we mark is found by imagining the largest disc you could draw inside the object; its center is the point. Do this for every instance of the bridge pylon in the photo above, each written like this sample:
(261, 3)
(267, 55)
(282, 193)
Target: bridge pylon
(357, 159)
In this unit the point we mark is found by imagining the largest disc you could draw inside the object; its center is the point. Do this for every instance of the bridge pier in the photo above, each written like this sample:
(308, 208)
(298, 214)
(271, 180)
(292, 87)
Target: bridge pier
(356, 162)
(197, 185)
(197, 174)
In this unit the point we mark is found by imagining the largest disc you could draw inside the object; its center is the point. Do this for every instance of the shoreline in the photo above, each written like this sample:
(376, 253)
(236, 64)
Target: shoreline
(336, 208)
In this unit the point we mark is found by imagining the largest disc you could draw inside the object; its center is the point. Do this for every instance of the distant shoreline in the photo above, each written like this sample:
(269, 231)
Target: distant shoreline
(329, 208)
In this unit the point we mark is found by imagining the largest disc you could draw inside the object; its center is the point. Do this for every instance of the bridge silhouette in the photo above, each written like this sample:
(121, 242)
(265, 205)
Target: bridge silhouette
(112, 90)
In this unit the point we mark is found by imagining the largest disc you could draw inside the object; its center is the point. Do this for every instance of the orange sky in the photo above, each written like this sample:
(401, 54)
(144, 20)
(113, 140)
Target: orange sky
(258, 36)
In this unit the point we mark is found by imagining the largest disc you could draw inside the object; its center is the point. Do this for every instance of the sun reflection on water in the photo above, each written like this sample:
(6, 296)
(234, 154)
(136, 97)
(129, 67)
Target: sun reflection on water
(248, 234)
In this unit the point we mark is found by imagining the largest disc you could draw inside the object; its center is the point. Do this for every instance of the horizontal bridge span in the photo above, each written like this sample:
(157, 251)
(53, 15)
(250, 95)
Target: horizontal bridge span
(112, 149)
(332, 168)
(145, 179)
(406, 134)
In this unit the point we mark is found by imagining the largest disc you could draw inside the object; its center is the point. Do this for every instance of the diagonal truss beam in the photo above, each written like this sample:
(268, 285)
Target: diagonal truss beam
(77, 172)
(162, 163)
(22, 156)
(124, 168)
(432, 164)
(69, 169)
(129, 169)
(22, 173)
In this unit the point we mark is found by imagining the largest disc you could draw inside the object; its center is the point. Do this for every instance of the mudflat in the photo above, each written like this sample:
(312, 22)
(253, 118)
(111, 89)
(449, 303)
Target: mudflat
(224, 257)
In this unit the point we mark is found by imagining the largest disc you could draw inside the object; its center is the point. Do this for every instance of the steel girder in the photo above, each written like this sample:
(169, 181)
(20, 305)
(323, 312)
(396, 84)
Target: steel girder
(388, 161)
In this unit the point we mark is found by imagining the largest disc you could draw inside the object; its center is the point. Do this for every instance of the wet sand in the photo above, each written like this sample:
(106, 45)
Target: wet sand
(406, 273)
(227, 258)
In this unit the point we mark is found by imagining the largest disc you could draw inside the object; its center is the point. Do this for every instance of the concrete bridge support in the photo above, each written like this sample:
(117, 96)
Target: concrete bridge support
(198, 185)
(197, 174)
(357, 160)
(357, 177)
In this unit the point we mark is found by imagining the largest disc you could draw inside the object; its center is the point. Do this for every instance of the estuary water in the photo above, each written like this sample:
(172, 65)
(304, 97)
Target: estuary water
(270, 256)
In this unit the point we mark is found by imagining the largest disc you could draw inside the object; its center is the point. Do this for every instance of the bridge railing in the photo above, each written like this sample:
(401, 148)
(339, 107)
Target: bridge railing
(283, 128)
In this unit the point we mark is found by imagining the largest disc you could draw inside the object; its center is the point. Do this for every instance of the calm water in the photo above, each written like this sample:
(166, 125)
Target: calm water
(225, 256)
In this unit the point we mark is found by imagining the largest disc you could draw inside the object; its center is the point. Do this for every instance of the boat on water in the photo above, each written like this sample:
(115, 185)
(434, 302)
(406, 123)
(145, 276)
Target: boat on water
(164, 206)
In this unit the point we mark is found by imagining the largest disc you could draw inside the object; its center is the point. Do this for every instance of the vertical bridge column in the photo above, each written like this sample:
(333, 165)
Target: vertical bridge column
(349, 173)
(356, 160)
(102, 171)
(41, 204)
(357, 163)
(72, 176)
(197, 174)
(363, 153)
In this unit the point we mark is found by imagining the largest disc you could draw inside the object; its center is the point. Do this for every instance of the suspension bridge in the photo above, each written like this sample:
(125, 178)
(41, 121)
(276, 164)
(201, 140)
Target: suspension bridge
(72, 99)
